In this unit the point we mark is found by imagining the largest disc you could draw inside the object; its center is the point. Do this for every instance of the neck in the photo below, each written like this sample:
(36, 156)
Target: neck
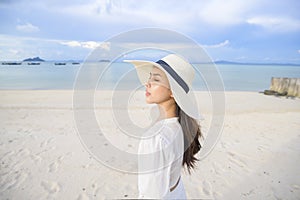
(167, 109)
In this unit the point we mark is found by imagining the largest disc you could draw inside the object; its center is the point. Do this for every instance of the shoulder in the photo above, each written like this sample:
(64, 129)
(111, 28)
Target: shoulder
(167, 131)
(171, 130)
(161, 135)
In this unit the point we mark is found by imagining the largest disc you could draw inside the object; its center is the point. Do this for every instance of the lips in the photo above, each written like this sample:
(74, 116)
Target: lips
(147, 93)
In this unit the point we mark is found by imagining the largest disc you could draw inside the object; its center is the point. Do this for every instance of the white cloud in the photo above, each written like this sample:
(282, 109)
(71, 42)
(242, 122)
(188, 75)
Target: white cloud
(90, 44)
(230, 12)
(87, 44)
(276, 23)
(222, 44)
(119, 15)
(14, 51)
(94, 8)
(205, 20)
(93, 45)
(167, 14)
(179, 16)
(298, 51)
(18, 48)
(72, 43)
(28, 28)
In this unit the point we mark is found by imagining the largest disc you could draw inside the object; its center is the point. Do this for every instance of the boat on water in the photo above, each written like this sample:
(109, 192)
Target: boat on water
(11, 63)
(33, 63)
(104, 60)
(75, 63)
(59, 63)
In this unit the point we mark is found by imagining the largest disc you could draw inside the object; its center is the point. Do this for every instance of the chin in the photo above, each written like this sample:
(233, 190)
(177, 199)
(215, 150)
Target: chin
(148, 101)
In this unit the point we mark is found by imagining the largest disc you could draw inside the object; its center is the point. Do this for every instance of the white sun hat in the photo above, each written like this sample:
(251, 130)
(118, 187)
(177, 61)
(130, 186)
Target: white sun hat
(180, 74)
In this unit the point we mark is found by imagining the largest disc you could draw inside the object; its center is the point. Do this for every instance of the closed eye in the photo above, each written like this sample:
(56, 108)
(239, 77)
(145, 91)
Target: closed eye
(154, 76)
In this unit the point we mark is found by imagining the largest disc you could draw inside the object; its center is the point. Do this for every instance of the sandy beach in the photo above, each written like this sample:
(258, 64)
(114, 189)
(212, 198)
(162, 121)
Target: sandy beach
(42, 156)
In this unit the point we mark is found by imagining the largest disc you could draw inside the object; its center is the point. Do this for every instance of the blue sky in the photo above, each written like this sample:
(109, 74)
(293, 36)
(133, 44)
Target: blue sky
(235, 30)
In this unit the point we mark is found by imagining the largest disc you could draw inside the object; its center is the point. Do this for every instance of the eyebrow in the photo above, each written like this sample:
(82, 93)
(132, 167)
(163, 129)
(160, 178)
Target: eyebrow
(155, 74)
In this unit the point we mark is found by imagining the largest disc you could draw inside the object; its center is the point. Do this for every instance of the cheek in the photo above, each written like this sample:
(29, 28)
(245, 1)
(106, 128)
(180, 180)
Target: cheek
(159, 94)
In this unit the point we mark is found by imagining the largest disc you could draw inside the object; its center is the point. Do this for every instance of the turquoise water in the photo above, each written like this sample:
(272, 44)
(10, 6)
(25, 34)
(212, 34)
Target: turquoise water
(122, 76)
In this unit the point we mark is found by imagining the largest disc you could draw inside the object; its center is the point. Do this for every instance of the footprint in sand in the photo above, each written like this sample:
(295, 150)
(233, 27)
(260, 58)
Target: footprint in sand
(23, 152)
(13, 181)
(217, 169)
(54, 166)
(238, 161)
(7, 155)
(47, 142)
(263, 147)
(24, 116)
(217, 195)
(83, 197)
(206, 188)
(36, 159)
(51, 187)
(96, 189)
(14, 159)
(224, 145)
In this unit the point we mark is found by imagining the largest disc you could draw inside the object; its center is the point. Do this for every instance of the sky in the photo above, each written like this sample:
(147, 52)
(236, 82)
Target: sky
(265, 31)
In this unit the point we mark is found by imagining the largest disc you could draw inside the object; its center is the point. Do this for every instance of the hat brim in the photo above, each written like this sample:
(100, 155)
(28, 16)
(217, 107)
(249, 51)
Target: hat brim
(186, 101)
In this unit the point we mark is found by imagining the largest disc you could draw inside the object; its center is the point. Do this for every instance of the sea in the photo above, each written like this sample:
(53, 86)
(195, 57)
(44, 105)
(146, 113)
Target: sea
(120, 75)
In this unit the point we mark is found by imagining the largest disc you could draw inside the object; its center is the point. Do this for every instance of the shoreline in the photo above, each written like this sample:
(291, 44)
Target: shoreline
(235, 101)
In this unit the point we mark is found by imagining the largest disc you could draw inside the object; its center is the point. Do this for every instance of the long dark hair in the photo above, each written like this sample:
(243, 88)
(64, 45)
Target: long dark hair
(192, 133)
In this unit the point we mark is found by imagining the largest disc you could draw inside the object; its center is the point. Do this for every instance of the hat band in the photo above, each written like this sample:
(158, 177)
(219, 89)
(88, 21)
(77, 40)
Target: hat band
(176, 77)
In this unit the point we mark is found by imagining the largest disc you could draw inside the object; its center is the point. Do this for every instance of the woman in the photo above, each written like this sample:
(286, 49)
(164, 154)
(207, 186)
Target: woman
(172, 142)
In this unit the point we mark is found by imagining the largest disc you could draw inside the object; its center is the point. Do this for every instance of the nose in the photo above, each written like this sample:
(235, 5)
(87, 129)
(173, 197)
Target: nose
(147, 84)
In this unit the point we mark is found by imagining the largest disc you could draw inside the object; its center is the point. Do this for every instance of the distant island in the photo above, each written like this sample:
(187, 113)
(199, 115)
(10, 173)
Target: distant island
(225, 62)
(36, 59)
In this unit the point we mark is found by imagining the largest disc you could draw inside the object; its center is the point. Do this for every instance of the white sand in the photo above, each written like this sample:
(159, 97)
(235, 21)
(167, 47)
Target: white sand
(257, 157)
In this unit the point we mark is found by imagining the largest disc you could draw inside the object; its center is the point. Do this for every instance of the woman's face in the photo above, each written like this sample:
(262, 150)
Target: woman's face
(157, 87)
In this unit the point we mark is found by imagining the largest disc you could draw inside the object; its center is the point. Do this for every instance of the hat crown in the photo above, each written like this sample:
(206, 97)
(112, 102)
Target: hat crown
(183, 68)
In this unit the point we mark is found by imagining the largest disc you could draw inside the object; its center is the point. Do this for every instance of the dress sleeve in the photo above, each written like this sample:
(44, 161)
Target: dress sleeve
(155, 170)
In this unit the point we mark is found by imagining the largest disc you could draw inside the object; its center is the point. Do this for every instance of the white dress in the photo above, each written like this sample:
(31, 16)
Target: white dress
(160, 161)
